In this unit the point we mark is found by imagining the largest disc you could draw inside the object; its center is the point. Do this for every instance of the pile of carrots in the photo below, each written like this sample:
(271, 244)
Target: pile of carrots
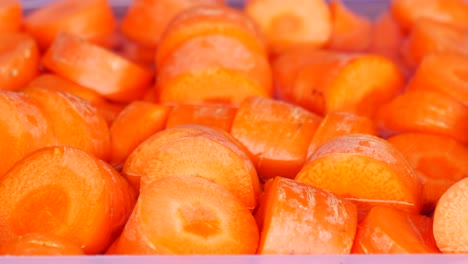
(190, 127)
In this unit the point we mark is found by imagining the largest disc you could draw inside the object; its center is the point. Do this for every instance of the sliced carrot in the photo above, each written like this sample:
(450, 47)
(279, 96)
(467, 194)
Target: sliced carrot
(39, 245)
(19, 60)
(450, 219)
(387, 230)
(424, 111)
(92, 20)
(61, 190)
(366, 170)
(11, 16)
(134, 51)
(440, 160)
(300, 219)
(199, 151)
(214, 115)
(138, 121)
(276, 135)
(337, 124)
(387, 36)
(297, 23)
(96, 68)
(350, 31)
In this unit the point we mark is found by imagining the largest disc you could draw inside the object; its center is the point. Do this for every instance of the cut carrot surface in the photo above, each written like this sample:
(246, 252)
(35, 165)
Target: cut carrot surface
(96, 68)
(188, 215)
(299, 219)
(276, 135)
(36, 244)
(11, 16)
(60, 190)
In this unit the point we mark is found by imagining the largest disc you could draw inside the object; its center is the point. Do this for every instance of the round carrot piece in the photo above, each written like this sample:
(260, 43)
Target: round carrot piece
(146, 20)
(424, 111)
(138, 121)
(199, 151)
(366, 170)
(291, 24)
(97, 68)
(36, 244)
(450, 223)
(60, 191)
(19, 60)
(11, 16)
(301, 219)
(387, 230)
(188, 215)
(92, 20)
(276, 135)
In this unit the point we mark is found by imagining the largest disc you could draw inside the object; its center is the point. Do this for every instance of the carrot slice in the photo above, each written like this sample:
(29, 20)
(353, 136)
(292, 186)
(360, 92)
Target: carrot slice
(276, 135)
(337, 124)
(92, 20)
(134, 51)
(350, 31)
(138, 121)
(366, 170)
(390, 231)
(297, 23)
(11, 16)
(146, 20)
(387, 36)
(39, 245)
(214, 115)
(59, 190)
(424, 111)
(440, 160)
(96, 68)
(19, 60)
(292, 208)
(450, 219)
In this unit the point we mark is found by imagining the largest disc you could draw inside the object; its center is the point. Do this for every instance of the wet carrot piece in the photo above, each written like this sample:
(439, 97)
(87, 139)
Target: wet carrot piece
(92, 20)
(366, 170)
(11, 16)
(450, 219)
(214, 115)
(291, 209)
(96, 68)
(135, 52)
(297, 23)
(387, 230)
(276, 135)
(387, 36)
(350, 31)
(19, 60)
(424, 111)
(36, 244)
(59, 190)
(138, 121)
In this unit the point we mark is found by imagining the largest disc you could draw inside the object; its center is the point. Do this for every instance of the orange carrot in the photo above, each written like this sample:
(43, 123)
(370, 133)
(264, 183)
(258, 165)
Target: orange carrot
(134, 51)
(39, 245)
(188, 215)
(387, 36)
(276, 135)
(11, 16)
(61, 190)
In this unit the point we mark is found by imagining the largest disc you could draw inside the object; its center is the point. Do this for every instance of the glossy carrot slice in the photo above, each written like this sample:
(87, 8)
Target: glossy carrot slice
(366, 170)
(276, 135)
(59, 190)
(92, 20)
(387, 230)
(19, 60)
(36, 244)
(291, 208)
(96, 68)
(11, 16)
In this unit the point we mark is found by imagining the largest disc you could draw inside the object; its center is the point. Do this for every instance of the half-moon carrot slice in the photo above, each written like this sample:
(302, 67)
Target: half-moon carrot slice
(39, 244)
(11, 16)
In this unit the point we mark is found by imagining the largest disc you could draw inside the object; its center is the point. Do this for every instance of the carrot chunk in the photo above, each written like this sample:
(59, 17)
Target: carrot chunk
(11, 17)
(36, 244)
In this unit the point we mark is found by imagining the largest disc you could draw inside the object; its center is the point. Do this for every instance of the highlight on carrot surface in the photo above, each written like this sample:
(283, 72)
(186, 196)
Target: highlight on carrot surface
(11, 16)
(276, 135)
(424, 111)
(62, 190)
(440, 161)
(39, 244)
(298, 219)
(298, 23)
(366, 170)
(450, 219)
(198, 151)
(388, 230)
(188, 215)
(92, 20)
(96, 68)
(350, 31)
(19, 60)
